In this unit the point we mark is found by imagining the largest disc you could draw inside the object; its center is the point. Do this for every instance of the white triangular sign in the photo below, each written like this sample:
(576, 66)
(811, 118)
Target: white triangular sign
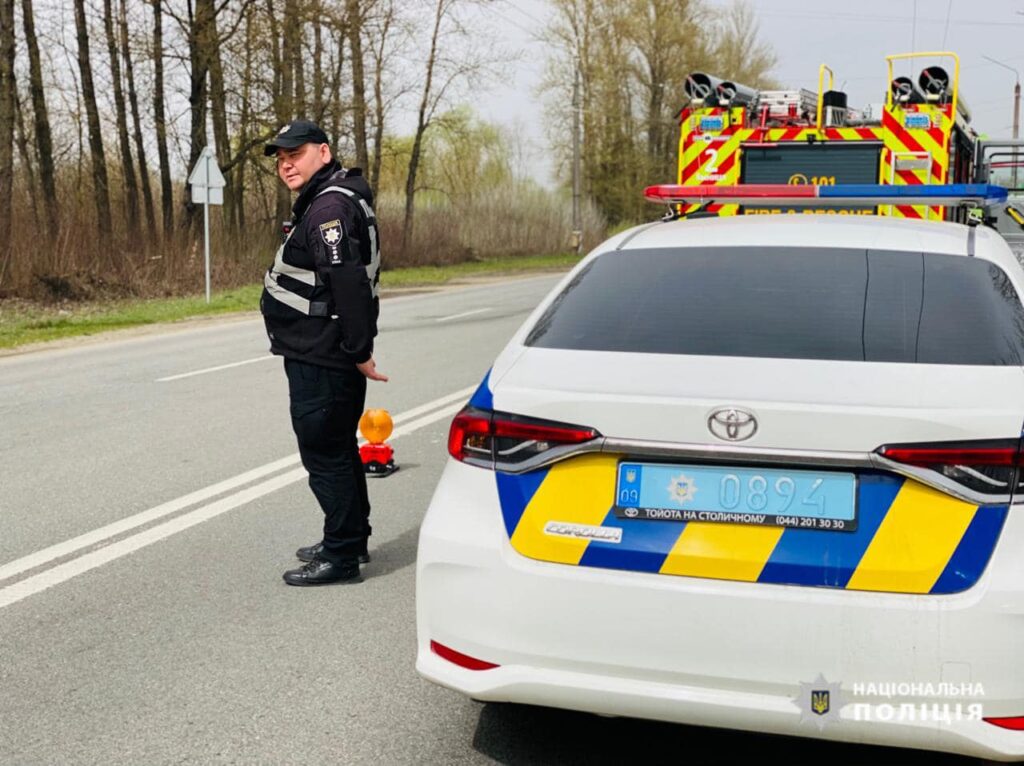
(206, 172)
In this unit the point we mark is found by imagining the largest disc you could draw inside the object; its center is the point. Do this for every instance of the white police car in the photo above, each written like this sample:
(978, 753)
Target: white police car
(757, 472)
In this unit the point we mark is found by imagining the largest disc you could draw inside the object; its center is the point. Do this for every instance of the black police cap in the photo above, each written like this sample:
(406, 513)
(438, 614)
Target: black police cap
(295, 133)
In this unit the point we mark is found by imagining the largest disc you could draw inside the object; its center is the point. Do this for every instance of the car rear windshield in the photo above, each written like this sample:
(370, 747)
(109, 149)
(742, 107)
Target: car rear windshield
(796, 303)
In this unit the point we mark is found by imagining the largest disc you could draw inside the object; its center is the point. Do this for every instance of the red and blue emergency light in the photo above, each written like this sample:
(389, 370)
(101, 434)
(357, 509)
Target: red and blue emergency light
(820, 196)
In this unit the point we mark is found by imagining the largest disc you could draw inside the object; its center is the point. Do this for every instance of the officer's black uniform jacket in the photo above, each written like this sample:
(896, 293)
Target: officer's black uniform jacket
(318, 302)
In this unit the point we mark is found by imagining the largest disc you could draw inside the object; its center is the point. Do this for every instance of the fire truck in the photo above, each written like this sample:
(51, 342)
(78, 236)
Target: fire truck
(732, 134)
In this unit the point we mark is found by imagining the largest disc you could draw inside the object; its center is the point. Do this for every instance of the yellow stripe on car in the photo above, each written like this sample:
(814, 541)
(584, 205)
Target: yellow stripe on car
(722, 551)
(577, 491)
(914, 543)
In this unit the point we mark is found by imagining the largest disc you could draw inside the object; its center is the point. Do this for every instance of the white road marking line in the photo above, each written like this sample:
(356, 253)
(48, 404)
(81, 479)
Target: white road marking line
(63, 572)
(214, 369)
(96, 536)
(66, 571)
(458, 396)
(463, 314)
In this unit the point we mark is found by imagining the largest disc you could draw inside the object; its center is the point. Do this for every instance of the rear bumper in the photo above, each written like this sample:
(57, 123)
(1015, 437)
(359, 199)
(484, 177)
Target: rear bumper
(700, 706)
(713, 652)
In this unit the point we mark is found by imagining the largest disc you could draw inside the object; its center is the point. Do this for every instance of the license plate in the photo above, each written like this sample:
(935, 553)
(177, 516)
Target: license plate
(712, 123)
(825, 500)
(917, 121)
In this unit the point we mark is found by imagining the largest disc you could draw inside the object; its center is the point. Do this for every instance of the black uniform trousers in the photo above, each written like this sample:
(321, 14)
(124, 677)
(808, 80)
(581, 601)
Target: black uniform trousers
(326, 405)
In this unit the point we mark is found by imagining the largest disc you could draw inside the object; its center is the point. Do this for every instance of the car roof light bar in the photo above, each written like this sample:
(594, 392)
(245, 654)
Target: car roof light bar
(823, 196)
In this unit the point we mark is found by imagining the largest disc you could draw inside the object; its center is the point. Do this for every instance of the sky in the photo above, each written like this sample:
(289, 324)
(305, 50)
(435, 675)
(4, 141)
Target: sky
(852, 38)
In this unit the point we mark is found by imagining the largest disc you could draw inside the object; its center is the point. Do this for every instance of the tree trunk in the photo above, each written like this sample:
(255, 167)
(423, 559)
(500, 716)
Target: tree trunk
(318, 66)
(43, 139)
(245, 117)
(284, 106)
(160, 122)
(133, 100)
(334, 87)
(26, 159)
(355, 42)
(378, 95)
(200, 40)
(219, 113)
(7, 90)
(101, 190)
(131, 187)
(421, 127)
(301, 103)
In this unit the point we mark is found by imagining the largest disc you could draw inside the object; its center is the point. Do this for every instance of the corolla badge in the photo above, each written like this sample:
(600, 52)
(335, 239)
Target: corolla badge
(732, 424)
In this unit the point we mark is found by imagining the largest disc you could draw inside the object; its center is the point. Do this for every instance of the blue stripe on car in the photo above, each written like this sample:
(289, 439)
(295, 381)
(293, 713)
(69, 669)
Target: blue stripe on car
(811, 557)
(972, 554)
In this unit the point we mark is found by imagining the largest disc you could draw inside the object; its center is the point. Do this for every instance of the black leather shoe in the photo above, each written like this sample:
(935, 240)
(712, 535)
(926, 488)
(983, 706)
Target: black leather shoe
(310, 552)
(322, 572)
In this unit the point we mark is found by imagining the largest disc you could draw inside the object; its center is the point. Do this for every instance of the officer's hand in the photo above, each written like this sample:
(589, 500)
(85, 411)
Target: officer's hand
(369, 369)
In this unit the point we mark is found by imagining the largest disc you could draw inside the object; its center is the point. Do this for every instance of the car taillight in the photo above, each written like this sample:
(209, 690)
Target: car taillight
(460, 659)
(501, 439)
(1014, 724)
(470, 435)
(989, 466)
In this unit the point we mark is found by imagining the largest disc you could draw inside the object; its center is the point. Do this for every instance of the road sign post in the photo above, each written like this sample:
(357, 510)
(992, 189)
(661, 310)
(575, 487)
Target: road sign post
(207, 184)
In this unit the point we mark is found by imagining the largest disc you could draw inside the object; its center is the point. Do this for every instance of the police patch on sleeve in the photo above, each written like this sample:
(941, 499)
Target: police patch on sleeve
(331, 232)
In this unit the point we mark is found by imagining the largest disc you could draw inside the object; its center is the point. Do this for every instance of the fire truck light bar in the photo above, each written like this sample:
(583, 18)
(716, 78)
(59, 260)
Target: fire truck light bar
(822, 196)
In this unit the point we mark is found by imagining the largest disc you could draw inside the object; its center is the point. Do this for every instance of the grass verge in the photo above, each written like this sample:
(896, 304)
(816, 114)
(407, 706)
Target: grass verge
(24, 322)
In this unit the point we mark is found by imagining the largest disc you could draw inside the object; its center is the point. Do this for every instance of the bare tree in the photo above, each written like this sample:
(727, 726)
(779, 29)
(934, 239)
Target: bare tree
(449, 73)
(380, 35)
(131, 187)
(355, 41)
(21, 138)
(739, 52)
(298, 70)
(219, 113)
(101, 187)
(284, 44)
(665, 51)
(7, 105)
(245, 118)
(200, 33)
(43, 140)
(633, 57)
(160, 121)
(133, 100)
(317, 104)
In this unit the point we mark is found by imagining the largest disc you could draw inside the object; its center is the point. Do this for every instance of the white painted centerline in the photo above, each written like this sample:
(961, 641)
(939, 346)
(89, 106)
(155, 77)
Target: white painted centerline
(88, 561)
(96, 536)
(14, 568)
(214, 369)
(463, 314)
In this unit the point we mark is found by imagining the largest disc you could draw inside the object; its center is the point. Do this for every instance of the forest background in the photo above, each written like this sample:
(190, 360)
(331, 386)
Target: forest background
(106, 104)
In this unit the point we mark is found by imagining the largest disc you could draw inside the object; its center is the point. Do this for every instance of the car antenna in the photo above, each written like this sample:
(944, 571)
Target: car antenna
(673, 213)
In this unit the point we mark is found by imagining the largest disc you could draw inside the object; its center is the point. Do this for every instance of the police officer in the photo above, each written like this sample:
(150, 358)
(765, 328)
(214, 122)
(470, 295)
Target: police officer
(320, 307)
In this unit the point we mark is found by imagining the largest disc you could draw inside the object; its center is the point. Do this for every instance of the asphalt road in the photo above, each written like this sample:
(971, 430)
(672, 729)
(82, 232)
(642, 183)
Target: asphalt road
(150, 497)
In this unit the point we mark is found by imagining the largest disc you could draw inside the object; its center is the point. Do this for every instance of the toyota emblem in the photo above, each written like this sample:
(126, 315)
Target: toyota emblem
(732, 424)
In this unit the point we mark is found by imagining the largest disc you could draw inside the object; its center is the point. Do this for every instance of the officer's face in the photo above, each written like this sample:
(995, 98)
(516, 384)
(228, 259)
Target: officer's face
(296, 166)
